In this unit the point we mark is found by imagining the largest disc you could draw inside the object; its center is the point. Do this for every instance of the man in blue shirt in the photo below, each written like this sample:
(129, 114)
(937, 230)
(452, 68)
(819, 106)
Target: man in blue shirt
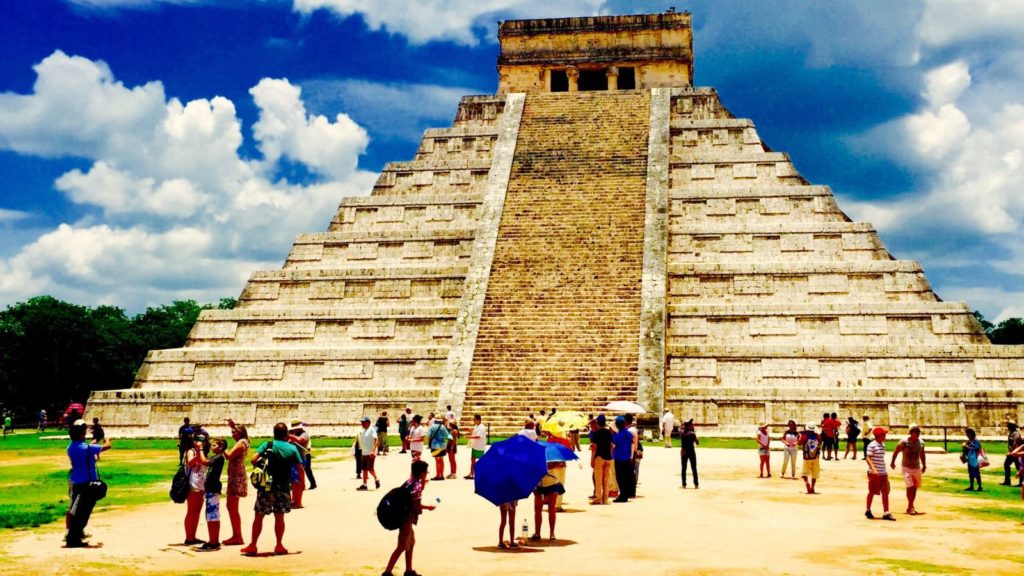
(622, 453)
(83, 471)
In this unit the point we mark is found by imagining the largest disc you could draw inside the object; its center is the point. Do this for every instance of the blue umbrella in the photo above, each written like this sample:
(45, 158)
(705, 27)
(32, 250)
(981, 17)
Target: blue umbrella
(555, 452)
(510, 470)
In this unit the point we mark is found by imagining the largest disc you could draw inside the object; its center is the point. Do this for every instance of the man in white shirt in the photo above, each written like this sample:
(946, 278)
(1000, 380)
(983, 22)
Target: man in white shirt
(449, 416)
(368, 444)
(416, 435)
(528, 430)
(668, 422)
(478, 443)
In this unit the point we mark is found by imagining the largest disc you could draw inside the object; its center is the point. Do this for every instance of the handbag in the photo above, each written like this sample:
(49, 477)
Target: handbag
(96, 489)
(180, 486)
(983, 459)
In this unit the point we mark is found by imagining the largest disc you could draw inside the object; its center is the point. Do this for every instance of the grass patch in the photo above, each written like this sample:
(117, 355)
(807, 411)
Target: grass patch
(915, 567)
(990, 477)
(37, 494)
(996, 513)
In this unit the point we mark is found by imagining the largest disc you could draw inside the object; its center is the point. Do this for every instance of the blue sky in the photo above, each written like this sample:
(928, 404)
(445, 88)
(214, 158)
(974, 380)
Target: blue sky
(153, 150)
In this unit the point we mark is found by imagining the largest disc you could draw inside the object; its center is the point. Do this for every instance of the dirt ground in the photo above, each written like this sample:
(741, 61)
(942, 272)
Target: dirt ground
(735, 524)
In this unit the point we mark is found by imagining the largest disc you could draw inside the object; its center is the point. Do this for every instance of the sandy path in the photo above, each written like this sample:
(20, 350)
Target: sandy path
(735, 524)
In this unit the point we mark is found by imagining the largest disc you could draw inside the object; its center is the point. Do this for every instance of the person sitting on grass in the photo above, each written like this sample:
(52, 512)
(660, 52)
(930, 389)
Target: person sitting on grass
(277, 500)
(406, 534)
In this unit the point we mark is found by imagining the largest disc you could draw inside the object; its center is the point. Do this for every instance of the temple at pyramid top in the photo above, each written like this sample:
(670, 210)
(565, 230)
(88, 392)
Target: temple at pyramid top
(598, 230)
(595, 53)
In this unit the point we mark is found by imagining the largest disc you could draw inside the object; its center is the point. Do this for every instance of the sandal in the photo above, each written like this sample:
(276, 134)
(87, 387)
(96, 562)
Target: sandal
(502, 545)
(513, 545)
(535, 538)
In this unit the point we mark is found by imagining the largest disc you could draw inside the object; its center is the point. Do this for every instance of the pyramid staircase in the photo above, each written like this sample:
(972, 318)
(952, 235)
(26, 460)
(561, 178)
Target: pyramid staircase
(561, 319)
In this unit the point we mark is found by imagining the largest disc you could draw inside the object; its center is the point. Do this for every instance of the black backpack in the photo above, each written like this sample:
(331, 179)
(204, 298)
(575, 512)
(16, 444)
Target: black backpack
(395, 507)
(180, 486)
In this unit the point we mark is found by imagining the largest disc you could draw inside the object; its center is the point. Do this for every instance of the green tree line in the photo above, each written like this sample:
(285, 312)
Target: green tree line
(1009, 331)
(53, 352)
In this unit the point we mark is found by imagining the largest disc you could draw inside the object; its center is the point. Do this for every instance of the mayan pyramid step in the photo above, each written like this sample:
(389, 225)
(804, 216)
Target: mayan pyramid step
(569, 255)
(598, 230)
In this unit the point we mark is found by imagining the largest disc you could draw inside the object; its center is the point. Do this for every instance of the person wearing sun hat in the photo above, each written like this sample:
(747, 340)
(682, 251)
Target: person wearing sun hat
(878, 477)
(763, 452)
(810, 469)
(912, 448)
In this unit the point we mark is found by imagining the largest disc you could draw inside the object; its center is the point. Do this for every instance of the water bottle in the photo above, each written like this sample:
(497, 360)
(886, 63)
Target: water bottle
(526, 531)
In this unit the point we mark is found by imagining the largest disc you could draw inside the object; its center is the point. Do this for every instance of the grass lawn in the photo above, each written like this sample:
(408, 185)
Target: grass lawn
(34, 468)
(34, 477)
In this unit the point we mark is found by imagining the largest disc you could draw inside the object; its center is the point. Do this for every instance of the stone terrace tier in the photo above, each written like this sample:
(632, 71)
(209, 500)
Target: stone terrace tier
(359, 318)
(779, 306)
(560, 324)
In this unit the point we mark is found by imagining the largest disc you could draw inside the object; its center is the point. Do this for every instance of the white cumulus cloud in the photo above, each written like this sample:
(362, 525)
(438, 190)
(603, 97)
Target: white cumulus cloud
(174, 209)
(457, 21)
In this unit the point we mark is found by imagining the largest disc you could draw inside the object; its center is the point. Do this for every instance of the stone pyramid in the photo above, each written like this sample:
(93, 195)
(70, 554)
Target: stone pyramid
(598, 230)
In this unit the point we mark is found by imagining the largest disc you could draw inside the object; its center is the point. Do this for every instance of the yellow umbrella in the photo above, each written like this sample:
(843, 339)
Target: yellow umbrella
(561, 423)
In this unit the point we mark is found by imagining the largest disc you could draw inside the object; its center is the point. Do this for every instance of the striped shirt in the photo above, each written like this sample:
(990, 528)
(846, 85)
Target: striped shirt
(876, 453)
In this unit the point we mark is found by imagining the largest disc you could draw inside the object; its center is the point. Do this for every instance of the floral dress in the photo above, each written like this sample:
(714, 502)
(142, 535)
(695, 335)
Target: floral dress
(238, 484)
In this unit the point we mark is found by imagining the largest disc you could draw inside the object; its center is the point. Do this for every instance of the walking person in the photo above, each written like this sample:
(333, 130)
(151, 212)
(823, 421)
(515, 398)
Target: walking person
(1013, 439)
(406, 534)
(852, 432)
(185, 438)
(622, 454)
(97, 431)
(195, 463)
(913, 464)
(601, 444)
(478, 444)
(878, 477)
(437, 443)
(8, 425)
(668, 423)
(41, 420)
(238, 483)
(810, 468)
(82, 456)
(383, 422)
(307, 457)
(763, 452)
(277, 500)
(790, 439)
(368, 446)
(403, 429)
(688, 442)
(971, 455)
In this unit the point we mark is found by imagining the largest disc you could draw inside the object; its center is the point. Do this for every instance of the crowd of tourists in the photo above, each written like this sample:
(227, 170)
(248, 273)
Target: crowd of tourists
(282, 468)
